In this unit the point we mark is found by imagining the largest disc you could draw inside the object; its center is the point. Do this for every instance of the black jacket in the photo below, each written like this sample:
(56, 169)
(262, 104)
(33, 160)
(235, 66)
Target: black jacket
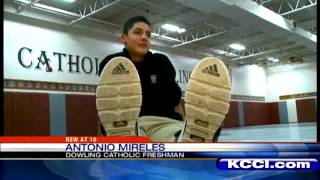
(160, 92)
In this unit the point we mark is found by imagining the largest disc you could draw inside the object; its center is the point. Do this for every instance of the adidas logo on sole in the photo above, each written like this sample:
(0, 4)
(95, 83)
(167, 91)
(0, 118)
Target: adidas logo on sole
(211, 70)
(120, 69)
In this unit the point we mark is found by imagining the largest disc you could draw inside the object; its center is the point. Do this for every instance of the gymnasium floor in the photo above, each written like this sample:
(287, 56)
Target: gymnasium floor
(294, 132)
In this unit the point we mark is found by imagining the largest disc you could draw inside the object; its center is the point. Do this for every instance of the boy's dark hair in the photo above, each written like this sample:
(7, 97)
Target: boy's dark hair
(131, 21)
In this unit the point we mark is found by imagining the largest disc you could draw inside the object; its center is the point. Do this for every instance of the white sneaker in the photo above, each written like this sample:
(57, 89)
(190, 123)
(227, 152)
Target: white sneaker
(207, 99)
(119, 97)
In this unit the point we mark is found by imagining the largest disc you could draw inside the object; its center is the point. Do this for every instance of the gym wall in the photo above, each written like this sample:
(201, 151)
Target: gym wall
(61, 101)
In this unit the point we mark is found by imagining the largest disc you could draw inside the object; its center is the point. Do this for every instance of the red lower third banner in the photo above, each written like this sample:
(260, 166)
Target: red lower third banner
(74, 139)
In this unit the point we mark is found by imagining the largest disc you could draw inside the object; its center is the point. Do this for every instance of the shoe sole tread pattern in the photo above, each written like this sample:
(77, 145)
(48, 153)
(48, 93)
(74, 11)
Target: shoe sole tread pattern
(119, 97)
(207, 100)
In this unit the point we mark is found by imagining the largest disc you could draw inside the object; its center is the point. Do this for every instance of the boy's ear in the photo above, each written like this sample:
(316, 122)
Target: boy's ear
(124, 39)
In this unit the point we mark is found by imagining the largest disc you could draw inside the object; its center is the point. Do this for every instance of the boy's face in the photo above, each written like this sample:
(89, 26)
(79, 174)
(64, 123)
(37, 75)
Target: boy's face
(138, 38)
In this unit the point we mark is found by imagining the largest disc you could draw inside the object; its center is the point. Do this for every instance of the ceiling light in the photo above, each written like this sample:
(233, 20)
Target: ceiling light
(181, 30)
(170, 27)
(273, 59)
(69, 1)
(237, 47)
(173, 28)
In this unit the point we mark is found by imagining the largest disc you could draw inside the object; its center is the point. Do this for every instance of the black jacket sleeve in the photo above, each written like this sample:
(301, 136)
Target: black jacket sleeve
(173, 90)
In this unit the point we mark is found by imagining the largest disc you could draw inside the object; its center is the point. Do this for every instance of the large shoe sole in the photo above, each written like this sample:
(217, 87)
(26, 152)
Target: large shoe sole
(207, 100)
(119, 97)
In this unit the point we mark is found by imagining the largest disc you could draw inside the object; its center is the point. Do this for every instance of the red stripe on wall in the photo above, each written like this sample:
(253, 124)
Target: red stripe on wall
(82, 116)
(306, 110)
(260, 113)
(232, 118)
(27, 114)
(8, 114)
